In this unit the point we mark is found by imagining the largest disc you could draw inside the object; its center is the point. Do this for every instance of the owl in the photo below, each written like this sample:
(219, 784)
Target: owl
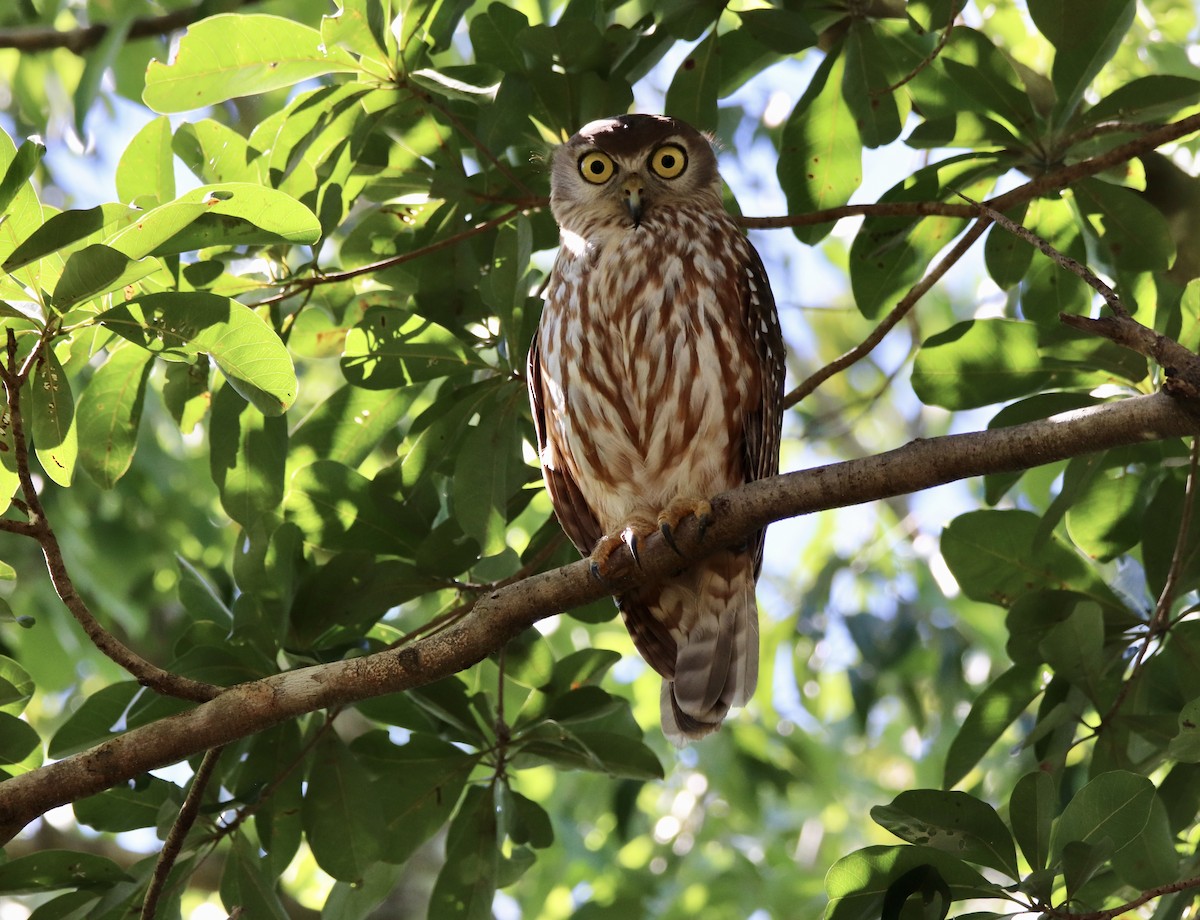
(656, 382)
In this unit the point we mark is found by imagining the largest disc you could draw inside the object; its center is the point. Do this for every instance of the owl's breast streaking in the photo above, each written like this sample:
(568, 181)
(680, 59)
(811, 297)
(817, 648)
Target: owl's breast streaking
(643, 313)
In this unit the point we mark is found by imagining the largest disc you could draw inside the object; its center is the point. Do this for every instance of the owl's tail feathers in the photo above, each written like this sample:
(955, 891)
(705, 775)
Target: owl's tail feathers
(716, 663)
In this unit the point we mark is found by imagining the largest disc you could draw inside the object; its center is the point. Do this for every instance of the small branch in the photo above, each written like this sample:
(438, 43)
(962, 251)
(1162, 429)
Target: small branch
(497, 617)
(1114, 912)
(878, 209)
(178, 833)
(1181, 366)
(292, 288)
(930, 58)
(1059, 258)
(38, 527)
(77, 41)
(898, 312)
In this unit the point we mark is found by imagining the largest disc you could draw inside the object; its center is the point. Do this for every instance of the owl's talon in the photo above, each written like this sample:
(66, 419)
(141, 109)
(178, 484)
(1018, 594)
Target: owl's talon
(665, 529)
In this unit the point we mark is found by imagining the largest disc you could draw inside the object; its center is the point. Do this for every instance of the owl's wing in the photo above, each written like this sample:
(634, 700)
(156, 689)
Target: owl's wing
(572, 510)
(761, 425)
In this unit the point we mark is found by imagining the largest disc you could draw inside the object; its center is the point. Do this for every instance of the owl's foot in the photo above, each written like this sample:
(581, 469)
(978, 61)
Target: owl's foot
(677, 510)
(635, 530)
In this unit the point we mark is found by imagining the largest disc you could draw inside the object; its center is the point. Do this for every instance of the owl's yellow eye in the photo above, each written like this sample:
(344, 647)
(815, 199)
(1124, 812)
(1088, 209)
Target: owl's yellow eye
(668, 161)
(596, 167)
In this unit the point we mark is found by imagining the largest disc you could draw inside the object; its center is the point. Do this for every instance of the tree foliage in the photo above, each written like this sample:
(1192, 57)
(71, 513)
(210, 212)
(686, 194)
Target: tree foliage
(265, 456)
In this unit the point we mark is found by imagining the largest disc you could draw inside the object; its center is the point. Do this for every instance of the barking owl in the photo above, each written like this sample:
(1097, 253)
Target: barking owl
(656, 381)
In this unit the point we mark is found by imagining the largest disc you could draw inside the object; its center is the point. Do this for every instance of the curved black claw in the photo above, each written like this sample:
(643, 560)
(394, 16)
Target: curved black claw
(665, 529)
(631, 540)
(704, 520)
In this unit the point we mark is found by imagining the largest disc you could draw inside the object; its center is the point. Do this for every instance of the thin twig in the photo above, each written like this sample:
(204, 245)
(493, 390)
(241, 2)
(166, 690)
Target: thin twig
(898, 312)
(1059, 258)
(179, 831)
(929, 58)
(292, 288)
(38, 527)
(1113, 913)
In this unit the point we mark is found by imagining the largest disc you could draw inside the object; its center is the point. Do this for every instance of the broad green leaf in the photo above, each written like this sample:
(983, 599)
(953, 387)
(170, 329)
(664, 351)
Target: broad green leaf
(186, 392)
(110, 411)
(53, 870)
(216, 153)
(18, 170)
(858, 884)
(596, 751)
(342, 819)
(426, 777)
(1185, 746)
(128, 806)
(146, 170)
(95, 270)
(1105, 517)
(1135, 232)
(481, 491)
(955, 822)
(18, 740)
(994, 710)
(692, 95)
(247, 459)
(229, 214)
(981, 71)
(1085, 35)
(1031, 812)
(390, 348)
(1161, 536)
(349, 425)
(1115, 805)
(494, 34)
(525, 821)
(979, 362)
(230, 55)
(466, 885)
(1049, 289)
(1152, 861)
(180, 326)
(72, 230)
(1074, 649)
(865, 86)
(52, 419)
(19, 684)
(340, 510)
(1154, 96)
(993, 558)
(246, 884)
(95, 721)
(1006, 255)
(820, 150)
(97, 62)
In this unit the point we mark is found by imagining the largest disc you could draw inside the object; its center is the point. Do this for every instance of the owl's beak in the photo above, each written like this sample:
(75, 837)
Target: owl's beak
(632, 188)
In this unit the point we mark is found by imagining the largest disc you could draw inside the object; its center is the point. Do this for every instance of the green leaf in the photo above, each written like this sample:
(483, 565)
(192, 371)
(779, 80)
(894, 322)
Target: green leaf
(53, 870)
(247, 459)
(596, 751)
(480, 491)
(110, 411)
(230, 55)
(858, 884)
(993, 557)
(97, 61)
(146, 170)
(73, 230)
(95, 721)
(993, 711)
(1185, 746)
(1115, 806)
(985, 75)
(20, 168)
(820, 151)
(1105, 517)
(692, 95)
(216, 153)
(19, 685)
(1135, 232)
(1049, 289)
(390, 349)
(342, 819)
(52, 419)
(349, 425)
(466, 885)
(186, 392)
(979, 362)
(128, 806)
(340, 510)
(18, 740)
(247, 885)
(180, 326)
(95, 270)
(1149, 97)
(425, 776)
(866, 85)
(1031, 812)
(1085, 35)
(1006, 255)
(955, 822)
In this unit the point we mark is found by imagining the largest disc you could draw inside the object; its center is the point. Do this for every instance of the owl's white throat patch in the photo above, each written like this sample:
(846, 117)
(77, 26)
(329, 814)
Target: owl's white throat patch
(575, 244)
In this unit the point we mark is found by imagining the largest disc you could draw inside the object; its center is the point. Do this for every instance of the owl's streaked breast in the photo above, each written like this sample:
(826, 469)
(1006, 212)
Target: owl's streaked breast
(657, 417)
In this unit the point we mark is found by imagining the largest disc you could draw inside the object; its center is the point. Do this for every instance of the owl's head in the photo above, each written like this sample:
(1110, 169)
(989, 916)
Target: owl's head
(620, 171)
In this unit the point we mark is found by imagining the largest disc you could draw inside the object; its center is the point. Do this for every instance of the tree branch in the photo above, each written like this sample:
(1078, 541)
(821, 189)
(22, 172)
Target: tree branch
(77, 41)
(504, 613)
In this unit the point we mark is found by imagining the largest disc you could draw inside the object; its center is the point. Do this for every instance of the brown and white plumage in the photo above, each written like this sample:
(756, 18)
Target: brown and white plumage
(656, 379)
